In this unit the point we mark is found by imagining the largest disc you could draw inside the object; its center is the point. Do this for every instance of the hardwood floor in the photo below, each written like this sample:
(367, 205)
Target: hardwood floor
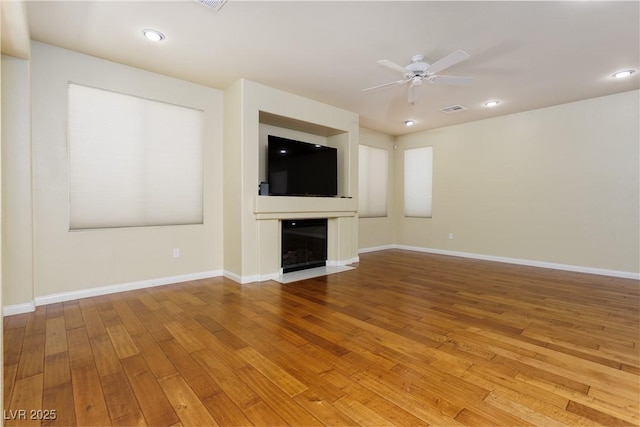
(404, 339)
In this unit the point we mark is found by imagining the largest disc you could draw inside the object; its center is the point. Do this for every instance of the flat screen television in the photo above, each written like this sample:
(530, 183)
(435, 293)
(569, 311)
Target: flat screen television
(297, 168)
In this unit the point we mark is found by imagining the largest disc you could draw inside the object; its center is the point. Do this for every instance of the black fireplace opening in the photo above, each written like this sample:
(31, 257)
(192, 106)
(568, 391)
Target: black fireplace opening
(304, 244)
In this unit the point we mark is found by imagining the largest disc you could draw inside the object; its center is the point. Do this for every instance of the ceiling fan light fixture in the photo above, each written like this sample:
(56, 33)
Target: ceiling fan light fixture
(153, 35)
(622, 74)
(491, 103)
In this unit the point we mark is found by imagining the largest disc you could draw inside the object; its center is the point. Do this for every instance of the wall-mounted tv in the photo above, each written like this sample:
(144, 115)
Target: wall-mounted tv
(297, 168)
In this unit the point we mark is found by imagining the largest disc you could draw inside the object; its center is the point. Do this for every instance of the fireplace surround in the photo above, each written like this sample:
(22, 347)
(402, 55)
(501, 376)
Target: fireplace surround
(271, 211)
(253, 222)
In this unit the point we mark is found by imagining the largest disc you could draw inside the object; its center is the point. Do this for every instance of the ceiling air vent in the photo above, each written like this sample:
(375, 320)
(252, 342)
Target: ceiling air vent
(453, 109)
(212, 4)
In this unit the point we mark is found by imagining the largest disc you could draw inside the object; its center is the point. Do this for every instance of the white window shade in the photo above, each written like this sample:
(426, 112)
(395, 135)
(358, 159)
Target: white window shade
(132, 161)
(418, 171)
(372, 181)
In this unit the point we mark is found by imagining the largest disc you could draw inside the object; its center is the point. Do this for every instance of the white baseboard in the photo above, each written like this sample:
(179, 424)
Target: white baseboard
(271, 276)
(105, 290)
(507, 260)
(10, 310)
(233, 276)
(334, 263)
(376, 249)
(243, 279)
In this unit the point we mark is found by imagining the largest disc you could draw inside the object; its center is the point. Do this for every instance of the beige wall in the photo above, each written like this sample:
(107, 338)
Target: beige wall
(67, 261)
(556, 185)
(379, 232)
(232, 201)
(17, 237)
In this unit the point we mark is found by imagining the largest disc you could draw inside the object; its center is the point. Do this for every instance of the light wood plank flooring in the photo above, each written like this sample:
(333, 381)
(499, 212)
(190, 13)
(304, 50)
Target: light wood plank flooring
(405, 339)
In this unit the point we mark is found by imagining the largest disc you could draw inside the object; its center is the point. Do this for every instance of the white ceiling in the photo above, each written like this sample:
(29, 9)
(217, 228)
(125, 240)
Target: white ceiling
(526, 54)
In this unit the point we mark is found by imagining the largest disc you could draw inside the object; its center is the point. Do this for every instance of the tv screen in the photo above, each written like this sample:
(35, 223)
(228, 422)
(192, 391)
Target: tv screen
(297, 168)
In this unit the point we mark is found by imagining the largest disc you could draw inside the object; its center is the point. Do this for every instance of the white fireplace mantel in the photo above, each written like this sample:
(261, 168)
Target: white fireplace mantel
(284, 207)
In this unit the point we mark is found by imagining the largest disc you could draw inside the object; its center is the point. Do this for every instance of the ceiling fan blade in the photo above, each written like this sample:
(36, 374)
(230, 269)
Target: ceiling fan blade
(448, 61)
(392, 66)
(397, 82)
(451, 80)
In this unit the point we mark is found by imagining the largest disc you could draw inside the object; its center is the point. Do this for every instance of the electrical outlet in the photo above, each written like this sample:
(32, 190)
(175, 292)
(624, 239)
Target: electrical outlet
(450, 236)
(176, 253)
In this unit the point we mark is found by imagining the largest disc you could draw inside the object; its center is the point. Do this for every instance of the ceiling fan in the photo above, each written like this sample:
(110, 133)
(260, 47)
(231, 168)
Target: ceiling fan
(419, 71)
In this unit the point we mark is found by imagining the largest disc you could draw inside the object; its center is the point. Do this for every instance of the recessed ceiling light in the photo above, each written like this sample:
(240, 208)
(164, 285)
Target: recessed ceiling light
(409, 122)
(153, 35)
(622, 74)
(491, 103)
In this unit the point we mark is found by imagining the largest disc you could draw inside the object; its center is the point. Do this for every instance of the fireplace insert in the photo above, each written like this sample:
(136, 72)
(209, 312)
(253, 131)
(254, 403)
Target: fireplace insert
(304, 244)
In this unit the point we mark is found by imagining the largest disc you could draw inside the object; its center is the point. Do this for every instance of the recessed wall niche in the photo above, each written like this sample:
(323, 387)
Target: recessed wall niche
(273, 124)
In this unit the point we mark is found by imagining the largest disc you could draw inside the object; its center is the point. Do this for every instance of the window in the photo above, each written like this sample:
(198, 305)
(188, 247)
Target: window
(418, 170)
(132, 161)
(372, 182)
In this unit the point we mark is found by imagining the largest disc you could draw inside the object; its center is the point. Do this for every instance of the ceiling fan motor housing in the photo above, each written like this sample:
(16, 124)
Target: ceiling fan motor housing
(417, 70)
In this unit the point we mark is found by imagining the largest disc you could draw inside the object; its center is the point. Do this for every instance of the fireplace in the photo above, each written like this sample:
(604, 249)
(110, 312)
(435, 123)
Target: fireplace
(304, 244)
